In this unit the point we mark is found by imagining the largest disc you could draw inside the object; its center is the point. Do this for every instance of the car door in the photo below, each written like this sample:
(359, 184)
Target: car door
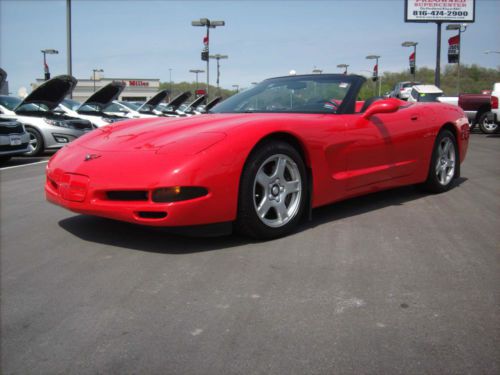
(368, 158)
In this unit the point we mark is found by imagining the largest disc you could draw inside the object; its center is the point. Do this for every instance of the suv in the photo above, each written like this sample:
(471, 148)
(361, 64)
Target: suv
(402, 90)
(425, 93)
(48, 130)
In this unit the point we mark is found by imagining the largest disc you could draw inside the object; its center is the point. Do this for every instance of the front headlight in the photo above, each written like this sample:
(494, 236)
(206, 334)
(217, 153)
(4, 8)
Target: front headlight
(61, 124)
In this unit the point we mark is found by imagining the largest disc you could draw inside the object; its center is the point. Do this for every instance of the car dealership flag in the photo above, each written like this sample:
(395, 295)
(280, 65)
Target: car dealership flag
(454, 49)
(412, 63)
(375, 71)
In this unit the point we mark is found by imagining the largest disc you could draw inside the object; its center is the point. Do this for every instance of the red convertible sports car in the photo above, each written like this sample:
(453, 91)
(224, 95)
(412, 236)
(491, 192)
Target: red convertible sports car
(261, 159)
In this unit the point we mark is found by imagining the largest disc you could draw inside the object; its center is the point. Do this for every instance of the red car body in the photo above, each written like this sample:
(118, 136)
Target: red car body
(346, 155)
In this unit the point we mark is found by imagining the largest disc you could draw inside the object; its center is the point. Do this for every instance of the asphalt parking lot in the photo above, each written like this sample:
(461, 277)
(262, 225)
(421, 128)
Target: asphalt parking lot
(396, 282)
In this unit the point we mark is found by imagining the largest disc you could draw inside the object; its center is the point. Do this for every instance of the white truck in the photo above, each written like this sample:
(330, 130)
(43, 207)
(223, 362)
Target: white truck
(495, 95)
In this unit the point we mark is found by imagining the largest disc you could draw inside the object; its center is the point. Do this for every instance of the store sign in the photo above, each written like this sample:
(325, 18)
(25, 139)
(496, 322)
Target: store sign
(138, 83)
(454, 49)
(440, 10)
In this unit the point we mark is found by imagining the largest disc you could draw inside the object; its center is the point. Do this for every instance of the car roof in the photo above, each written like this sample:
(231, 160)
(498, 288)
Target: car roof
(428, 89)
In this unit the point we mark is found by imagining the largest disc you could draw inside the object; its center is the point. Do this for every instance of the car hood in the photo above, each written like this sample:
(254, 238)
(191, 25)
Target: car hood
(195, 103)
(103, 97)
(51, 92)
(155, 100)
(178, 100)
(155, 133)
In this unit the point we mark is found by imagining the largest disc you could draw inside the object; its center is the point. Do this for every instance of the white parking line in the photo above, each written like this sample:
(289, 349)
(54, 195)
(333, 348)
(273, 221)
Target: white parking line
(24, 165)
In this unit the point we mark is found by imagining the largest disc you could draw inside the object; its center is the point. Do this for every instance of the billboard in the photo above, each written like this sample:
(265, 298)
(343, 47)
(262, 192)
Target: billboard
(448, 11)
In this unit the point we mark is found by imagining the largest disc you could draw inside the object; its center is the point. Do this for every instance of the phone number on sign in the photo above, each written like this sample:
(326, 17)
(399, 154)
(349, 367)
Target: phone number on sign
(448, 13)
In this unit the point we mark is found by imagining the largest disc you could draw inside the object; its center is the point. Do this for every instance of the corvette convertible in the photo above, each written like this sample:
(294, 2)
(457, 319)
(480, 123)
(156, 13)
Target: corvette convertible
(262, 159)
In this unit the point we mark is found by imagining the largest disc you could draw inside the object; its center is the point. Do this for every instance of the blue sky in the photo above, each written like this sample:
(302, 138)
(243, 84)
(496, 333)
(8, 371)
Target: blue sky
(143, 39)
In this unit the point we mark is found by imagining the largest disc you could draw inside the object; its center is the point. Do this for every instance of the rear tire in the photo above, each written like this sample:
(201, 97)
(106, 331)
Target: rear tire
(445, 163)
(486, 125)
(273, 192)
(4, 159)
(36, 146)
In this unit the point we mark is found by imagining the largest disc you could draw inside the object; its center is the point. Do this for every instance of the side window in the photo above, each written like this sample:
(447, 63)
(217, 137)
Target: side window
(113, 107)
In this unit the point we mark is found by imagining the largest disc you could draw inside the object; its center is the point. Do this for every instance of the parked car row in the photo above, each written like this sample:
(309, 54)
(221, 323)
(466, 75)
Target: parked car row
(478, 107)
(47, 120)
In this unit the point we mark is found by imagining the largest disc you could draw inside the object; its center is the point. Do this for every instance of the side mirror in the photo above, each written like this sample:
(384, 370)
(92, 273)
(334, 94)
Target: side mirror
(381, 106)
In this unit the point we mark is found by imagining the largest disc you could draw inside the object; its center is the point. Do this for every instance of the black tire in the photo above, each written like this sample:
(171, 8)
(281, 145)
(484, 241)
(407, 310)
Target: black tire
(4, 159)
(36, 142)
(487, 126)
(440, 177)
(280, 197)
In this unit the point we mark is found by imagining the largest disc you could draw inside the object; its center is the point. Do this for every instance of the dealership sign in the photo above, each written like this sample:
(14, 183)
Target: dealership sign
(412, 63)
(440, 10)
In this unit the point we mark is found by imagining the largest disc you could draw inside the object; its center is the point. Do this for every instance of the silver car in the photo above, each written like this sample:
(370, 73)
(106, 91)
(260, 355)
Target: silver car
(48, 130)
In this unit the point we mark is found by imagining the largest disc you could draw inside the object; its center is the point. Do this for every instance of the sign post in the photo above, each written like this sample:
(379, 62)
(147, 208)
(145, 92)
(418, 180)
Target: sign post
(439, 12)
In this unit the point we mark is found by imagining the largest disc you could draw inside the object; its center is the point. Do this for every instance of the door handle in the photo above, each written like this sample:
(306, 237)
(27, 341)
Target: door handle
(414, 118)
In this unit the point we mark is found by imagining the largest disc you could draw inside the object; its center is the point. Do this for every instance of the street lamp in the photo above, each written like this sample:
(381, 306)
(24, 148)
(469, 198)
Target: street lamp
(237, 87)
(414, 45)
(345, 66)
(218, 57)
(45, 66)
(196, 71)
(93, 74)
(205, 22)
(375, 57)
(457, 26)
(489, 51)
(316, 70)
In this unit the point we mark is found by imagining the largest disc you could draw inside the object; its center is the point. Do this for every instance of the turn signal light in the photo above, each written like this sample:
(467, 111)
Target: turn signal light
(178, 193)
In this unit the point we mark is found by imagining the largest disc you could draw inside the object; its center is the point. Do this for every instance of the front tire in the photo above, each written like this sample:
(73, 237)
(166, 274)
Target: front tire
(272, 191)
(444, 163)
(36, 145)
(487, 125)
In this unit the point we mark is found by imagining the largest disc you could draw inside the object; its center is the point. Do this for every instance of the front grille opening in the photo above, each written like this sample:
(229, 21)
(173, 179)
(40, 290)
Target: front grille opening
(152, 214)
(53, 184)
(127, 195)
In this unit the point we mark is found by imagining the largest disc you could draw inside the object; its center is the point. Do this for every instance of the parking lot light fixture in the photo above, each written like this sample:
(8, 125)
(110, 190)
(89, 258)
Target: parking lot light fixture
(45, 52)
(196, 71)
(414, 45)
(209, 24)
(375, 76)
(237, 88)
(218, 57)
(94, 71)
(344, 66)
(489, 51)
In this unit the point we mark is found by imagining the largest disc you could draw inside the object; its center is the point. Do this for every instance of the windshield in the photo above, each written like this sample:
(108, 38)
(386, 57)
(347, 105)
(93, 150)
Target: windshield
(9, 102)
(429, 97)
(71, 104)
(300, 94)
(130, 105)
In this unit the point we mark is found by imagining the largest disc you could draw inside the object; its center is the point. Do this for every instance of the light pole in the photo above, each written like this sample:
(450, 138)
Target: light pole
(414, 45)
(196, 71)
(45, 66)
(316, 70)
(345, 66)
(237, 87)
(489, 51)
(458, 27)
(375, 76)
(205, 22)
(218, 57)
(170, 80)
(93, 74)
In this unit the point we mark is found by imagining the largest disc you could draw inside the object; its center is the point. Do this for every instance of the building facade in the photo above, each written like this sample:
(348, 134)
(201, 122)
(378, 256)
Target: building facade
(136, 89)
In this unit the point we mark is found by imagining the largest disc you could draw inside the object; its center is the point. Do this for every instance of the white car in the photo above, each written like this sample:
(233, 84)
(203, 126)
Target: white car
(124, 109)
(402, 90)
(93, 108)
(47, 128)
(425, 93)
